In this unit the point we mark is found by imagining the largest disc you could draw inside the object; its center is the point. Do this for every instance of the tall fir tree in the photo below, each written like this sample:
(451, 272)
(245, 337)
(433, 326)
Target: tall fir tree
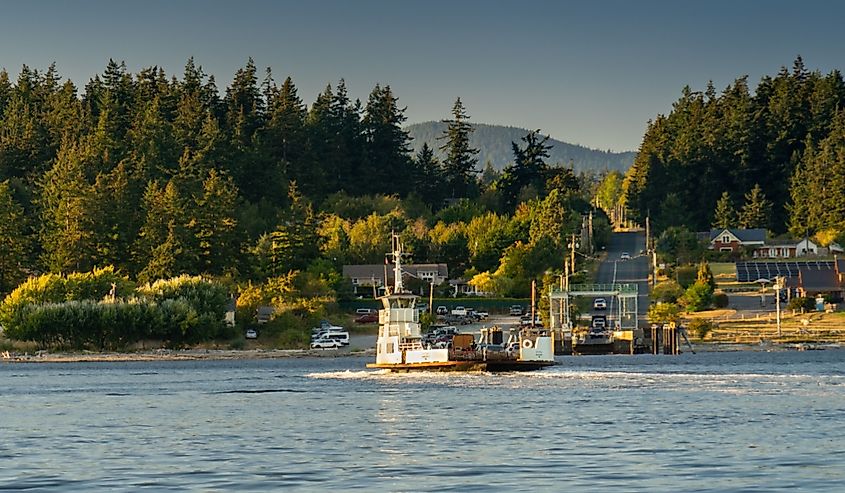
(294, 242)
(14, 241)
(459, 165)
(387, 164)
(757, 210)
(724, 215)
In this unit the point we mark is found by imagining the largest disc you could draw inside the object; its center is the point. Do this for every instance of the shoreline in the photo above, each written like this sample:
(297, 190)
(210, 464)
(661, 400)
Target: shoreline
(174, 355)
(257, 354)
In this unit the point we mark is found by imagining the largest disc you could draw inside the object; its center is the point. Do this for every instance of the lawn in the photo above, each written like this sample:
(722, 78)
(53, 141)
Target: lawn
(723, 271)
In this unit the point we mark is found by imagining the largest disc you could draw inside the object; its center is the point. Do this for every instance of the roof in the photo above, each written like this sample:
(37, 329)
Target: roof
(376, 271)
(790, 242)
(819, 280)
(757, 235)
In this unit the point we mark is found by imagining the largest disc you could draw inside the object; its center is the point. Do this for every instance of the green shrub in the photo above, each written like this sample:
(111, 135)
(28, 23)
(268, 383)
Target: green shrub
(686, 275)
(805, 303)
(667, 292)
(54, 288)
(697, 297)
(663, 312)
(700, 327)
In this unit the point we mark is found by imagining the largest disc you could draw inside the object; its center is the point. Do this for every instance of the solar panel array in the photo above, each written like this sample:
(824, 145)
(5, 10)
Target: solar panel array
(752, 271)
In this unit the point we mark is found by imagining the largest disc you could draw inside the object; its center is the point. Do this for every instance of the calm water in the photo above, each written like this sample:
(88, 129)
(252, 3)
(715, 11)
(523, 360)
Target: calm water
(705, 422)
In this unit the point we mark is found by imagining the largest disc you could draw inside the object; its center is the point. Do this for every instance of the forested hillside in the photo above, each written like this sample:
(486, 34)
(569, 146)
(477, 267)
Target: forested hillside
(494, 145)
(773, 157)
(161, 176)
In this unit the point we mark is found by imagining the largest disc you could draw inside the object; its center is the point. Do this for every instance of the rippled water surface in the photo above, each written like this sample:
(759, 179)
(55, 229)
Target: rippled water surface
(706, 422)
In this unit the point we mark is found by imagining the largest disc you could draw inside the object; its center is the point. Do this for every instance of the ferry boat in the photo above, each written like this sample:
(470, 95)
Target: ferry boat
(399, 346)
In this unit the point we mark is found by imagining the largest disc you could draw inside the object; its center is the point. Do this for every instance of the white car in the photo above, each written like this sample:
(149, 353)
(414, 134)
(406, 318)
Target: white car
(599, 304)
(325, 344)
(625, 256)
(251, 334)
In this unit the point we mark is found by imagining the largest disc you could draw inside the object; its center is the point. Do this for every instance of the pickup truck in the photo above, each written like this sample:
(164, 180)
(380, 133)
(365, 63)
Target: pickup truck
(459, 311)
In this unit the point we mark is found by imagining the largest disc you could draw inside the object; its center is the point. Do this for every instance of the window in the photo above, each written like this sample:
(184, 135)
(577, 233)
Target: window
(726, 239)
(355, 280)
(726, 249)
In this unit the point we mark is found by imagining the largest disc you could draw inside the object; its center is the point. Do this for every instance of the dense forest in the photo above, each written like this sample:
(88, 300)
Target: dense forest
(774, 158)
(161, 176)
(494, 146)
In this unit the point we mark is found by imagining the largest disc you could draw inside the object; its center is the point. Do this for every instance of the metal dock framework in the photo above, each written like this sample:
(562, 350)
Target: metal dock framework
(624, 310)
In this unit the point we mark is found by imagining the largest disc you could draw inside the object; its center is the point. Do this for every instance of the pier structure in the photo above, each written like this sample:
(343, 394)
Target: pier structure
(622, 302)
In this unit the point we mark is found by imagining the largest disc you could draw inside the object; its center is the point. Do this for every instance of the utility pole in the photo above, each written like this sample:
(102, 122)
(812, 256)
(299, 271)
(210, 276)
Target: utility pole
(572, 255)
(592, 243)
(431, 298)
(566, 274)
(777, 300)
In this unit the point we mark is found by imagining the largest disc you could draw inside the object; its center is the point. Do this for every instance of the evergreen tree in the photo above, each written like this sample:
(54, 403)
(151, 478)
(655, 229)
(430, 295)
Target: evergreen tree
(214, 224)
(387, 167)
(343, 169)
(165, 246)
(756, 211)
(294, 242)
(459, 165)
(426, 176)
(724, 216)
(14, 242)
(528, 170)
(67, 234)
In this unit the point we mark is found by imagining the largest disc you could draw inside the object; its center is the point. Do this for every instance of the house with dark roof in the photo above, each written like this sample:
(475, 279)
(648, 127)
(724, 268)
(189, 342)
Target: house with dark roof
(367, 278)
(785, 248)
(731, 240)
(812, 283)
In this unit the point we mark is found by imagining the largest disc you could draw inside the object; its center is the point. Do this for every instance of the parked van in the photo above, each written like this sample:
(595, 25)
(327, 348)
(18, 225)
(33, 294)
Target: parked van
(341, 337)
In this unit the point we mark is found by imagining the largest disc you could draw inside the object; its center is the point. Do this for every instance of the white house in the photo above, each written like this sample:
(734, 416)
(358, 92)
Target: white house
(786, 249)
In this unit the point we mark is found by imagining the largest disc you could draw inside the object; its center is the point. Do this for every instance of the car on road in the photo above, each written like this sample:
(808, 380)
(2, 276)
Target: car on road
(625, 256)
(251, 334)
(516, 310)
(325, 344)
(442, 310)
(599, 304)
(598, 321)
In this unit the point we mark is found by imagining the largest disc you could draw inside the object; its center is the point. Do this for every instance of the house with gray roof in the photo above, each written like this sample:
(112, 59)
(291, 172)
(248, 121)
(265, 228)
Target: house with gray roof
(812, 283)
(369, 278)
(786, 248)
(731, 240)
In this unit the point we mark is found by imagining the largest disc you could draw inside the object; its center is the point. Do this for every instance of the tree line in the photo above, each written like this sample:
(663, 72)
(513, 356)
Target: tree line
(769, 159)
(161, 176)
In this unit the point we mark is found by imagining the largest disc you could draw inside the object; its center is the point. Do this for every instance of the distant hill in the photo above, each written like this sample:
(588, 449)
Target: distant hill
(494, 144)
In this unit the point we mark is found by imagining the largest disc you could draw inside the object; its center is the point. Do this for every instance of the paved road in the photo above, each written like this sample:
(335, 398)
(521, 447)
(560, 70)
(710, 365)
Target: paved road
(635, 270)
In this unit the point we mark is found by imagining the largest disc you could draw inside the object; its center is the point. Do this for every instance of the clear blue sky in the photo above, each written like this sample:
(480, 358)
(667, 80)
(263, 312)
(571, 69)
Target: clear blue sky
(587, 72)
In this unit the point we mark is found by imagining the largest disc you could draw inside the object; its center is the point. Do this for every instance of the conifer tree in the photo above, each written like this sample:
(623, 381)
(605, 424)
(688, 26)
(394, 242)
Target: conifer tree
(756, 211)
(214, 224)
(724, 216)
(528, 170)
(14, 242)
(294, 242)
(459, 165)
(67, 234)
(387, 162)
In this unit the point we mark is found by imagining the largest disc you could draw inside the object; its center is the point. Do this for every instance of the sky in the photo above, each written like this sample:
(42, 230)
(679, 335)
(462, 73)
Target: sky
(587, 72)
